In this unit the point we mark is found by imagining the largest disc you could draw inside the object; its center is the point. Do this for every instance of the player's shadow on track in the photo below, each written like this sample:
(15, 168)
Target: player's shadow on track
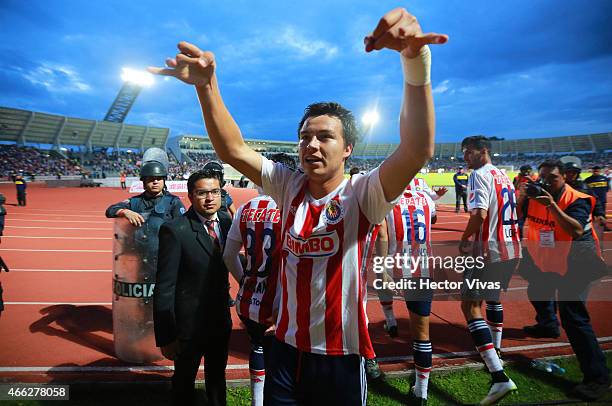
(78, 324)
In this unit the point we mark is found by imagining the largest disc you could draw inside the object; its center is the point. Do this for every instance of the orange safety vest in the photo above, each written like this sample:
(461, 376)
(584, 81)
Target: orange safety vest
(553, 259)
(122, 178)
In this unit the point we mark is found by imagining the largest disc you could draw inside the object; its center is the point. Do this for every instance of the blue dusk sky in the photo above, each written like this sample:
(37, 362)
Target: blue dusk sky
(513, 69)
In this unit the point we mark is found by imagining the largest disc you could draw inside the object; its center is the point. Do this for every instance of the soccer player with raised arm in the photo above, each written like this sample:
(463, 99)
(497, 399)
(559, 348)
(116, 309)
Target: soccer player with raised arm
(321, 328)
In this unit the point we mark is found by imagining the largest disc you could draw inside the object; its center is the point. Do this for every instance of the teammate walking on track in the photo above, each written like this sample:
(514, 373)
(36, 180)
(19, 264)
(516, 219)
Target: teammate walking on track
(321, 333)
(493, 224)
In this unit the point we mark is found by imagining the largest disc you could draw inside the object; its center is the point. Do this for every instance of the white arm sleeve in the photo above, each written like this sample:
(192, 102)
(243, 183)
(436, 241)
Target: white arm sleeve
(369, 192)
(478, 192)
(275, 178)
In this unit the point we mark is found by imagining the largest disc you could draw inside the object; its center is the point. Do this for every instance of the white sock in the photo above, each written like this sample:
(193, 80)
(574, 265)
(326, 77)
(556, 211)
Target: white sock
(257, 387)
(421, 382)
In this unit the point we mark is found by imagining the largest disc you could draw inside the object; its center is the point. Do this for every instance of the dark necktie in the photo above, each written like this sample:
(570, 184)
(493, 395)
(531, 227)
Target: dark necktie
(210, 226)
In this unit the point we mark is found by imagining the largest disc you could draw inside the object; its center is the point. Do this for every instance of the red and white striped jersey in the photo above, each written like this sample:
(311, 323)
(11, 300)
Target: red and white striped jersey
(257, 224)
(420, 185)
(325, 246)
(498, 237)
(409, 230)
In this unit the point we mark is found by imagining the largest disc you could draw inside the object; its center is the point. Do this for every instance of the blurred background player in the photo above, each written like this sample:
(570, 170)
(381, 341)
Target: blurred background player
(493, 224)
(227, 203)
(21, 186)
(419, 184)
(122, 179)
(407, 231)
(461, 180)
(257, 228)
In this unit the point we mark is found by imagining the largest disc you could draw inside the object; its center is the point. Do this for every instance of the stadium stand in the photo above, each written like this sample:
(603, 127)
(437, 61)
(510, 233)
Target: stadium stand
(104, 149)
(29, 127)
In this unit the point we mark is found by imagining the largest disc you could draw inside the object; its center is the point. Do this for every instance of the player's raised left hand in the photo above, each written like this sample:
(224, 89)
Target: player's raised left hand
(399, 30)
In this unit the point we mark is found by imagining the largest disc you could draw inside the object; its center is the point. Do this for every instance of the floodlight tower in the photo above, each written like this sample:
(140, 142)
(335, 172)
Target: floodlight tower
(133, 82)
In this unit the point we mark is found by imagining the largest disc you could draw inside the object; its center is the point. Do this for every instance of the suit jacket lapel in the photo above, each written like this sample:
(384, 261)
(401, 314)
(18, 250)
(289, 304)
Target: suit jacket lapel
(201, 234)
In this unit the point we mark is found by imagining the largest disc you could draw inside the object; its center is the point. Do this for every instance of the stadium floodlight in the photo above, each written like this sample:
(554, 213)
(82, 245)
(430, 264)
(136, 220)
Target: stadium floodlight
(138, 77)
(370, 118)
(133, 82)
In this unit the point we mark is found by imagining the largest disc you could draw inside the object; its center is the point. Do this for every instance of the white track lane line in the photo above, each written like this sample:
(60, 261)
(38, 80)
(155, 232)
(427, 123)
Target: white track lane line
(59, 270)
(62, 228)
(13, 219)
(33, 250)
(66, 210)
(57, 238)
(102, 216)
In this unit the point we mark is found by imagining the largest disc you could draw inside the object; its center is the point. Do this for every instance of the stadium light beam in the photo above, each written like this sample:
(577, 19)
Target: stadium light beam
(370, 118)
(137, 77)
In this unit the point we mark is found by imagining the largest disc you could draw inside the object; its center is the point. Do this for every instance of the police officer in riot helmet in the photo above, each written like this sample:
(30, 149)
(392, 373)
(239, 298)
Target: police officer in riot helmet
(155, 200)
(572, 178)
(227, 203)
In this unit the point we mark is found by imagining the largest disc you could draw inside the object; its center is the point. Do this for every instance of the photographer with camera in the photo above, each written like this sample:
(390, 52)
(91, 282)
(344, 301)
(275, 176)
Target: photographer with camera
(561, 251)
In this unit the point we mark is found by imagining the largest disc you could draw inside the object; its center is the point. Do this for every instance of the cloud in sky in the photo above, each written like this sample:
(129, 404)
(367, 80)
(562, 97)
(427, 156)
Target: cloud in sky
(56, 78)
(513, 69)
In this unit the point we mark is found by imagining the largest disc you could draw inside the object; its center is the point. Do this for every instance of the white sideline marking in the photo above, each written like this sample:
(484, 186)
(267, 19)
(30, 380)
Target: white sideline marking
(11, 219)
(462, 354)
(66, 210)
(32, 250)
(59, 270)
(62, 228)
(57, 238)
(147, 368)
(64, 215)
(61, 303)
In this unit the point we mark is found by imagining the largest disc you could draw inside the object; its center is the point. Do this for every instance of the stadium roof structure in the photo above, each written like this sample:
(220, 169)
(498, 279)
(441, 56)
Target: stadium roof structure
(199, 143)
(24, 126)
(588, 143)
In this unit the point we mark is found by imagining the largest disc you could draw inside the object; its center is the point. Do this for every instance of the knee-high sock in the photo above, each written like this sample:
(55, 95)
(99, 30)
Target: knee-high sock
(482, 339)
(422, 366)
(495, 320)
(258, 375)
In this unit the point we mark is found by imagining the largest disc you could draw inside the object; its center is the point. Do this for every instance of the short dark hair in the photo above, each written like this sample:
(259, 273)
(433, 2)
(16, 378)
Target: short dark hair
(479, 142)
(202, 174)
(285, 159)
(552, 164)
(350, 133)
(596, 167)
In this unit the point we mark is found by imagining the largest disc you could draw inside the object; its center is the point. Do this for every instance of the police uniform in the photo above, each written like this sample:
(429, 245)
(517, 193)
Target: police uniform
(20, 185)
(461, 181)
(599, 185)
(167, 206)
(557, 263)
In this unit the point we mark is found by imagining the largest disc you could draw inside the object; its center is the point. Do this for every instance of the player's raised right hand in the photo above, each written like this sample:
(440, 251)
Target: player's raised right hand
(191, 65)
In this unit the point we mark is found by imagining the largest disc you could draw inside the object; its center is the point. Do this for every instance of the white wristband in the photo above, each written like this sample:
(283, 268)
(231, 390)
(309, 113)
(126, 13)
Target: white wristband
(417, 70)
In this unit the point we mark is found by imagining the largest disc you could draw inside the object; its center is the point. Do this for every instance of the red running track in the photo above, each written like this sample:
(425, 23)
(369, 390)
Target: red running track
(57, 325)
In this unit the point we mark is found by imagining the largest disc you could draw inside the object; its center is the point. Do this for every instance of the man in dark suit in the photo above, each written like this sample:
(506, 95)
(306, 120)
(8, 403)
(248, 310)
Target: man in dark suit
(191, 315)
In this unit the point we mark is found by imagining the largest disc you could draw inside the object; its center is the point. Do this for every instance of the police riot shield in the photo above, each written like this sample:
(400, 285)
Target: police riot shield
(156, 154)
(134, 267)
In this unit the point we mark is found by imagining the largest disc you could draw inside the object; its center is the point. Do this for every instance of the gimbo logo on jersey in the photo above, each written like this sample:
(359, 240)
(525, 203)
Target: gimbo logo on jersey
(317, 245)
